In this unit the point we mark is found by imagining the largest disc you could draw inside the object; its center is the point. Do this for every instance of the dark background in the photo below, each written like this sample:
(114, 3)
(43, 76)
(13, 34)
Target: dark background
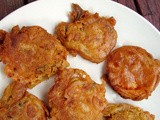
(150, 9)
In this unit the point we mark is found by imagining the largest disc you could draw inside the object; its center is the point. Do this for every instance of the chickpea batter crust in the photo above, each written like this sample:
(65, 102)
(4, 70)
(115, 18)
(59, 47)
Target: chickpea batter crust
(18, 104)
(133, 72)
(89, 35)
(2, 37)
(32, 55)
(126, 112)
(75, 96)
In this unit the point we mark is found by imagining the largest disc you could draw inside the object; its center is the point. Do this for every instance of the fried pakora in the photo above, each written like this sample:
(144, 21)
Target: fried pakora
(75, 96)
(126, 112)
(32, 55)
(133, 72)
(18, 104)
(89, 35)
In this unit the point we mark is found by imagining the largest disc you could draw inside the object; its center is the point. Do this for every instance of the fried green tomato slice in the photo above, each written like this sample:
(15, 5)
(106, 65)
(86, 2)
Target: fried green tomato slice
(18, 104)
(124, 111)
(32, 55)
(89, 35)
(133, 72)
(75, 96)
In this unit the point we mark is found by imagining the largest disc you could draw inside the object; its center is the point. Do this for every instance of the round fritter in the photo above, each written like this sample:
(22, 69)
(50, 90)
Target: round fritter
(133, 72)
(75, 96)
(125, 112)
(32, 55)
(18, 104)
(90, 35)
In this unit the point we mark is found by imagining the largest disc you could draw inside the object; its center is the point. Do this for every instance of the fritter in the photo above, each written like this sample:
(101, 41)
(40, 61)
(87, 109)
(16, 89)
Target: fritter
(75, 96)
(32, 55)
(126, 112)
(133, 72)
(18, 104)
(89, 35)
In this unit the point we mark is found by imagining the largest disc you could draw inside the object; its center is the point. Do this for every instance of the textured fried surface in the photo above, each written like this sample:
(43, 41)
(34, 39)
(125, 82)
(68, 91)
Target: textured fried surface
(133, 72)
(2, 37)
(18, 104)
(90, 35)
(76, 97)
(32, 55)
(126, 112)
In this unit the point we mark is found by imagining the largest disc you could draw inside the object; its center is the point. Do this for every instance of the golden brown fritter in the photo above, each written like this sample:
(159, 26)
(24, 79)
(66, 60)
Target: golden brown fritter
(18, 104)
(32, 55)
(133, 72)
(75, 96)
(126, 112)
(89, 35)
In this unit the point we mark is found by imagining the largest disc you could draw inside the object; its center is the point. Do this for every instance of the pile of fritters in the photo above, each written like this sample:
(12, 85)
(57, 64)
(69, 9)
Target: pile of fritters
(31, 55)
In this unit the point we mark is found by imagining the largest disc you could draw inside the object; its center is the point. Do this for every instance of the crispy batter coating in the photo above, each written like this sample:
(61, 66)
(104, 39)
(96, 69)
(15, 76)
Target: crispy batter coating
(2, 37)
(75, 96)
(18, 104)
(126, 112)
(32, 55)
(133, 72)
(89, 35)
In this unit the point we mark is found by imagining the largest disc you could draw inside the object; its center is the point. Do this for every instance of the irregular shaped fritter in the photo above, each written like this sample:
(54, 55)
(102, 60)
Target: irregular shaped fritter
(133, 72)
(18, 104)
(75, 96)
(32, 55)
(90, 35)
(126, 112)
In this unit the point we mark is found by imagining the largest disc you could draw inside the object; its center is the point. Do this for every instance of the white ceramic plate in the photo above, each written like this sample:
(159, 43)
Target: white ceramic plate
(132, 30)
